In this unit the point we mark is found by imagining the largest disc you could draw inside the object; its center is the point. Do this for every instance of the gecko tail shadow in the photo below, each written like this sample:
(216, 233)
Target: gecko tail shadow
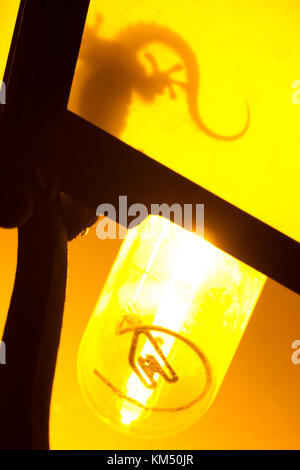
(209, 132)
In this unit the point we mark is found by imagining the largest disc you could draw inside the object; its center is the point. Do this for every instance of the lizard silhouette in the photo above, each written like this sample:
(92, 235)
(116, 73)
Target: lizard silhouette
(110, 71)
(113, 71)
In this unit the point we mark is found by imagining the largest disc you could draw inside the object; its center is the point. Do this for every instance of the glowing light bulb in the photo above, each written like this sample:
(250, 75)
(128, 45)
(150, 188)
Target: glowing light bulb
(164, 330)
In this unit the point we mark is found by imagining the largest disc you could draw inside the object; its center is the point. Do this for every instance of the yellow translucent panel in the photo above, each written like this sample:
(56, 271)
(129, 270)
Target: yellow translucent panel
(172, 78)
(9, 11)
(164, 330)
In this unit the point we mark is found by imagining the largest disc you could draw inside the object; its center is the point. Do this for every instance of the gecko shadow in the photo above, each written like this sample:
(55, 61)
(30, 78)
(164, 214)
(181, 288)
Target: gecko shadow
(113, 72)
(110, 71)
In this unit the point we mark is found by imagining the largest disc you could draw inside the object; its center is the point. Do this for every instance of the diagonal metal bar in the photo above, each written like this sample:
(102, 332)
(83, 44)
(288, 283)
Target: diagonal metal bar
(38, 79)
(99, 168)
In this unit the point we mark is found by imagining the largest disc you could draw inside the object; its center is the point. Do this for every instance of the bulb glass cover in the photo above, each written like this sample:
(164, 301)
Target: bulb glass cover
(165, 329)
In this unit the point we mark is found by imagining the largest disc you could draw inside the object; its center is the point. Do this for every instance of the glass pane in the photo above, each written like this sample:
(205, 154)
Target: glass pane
(175, 80)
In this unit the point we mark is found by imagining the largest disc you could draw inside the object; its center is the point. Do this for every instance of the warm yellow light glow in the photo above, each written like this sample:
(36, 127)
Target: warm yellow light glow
(165, 329)
(172, 310)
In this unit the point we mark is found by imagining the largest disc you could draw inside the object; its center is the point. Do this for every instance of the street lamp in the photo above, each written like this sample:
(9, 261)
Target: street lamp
(48, 150)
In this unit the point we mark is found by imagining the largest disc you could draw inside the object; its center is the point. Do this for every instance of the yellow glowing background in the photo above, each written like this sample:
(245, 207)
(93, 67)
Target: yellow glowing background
(258, 403)
(244, 52)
